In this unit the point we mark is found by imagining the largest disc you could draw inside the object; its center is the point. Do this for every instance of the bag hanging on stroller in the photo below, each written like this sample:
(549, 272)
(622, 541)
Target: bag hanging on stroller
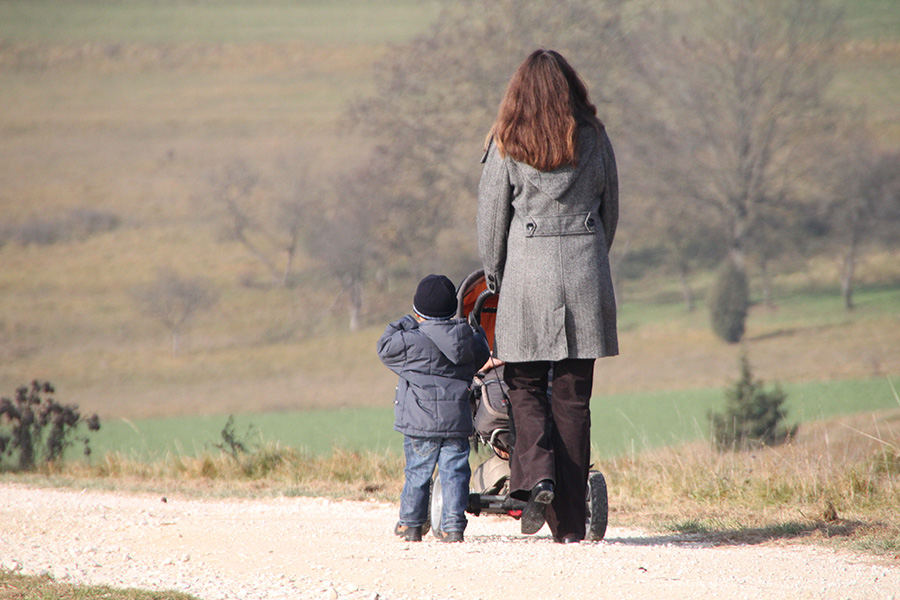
(490, 404)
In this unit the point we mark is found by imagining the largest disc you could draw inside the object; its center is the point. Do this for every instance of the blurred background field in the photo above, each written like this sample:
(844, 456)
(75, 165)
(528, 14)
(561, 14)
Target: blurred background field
(116, 122)
(622, 424)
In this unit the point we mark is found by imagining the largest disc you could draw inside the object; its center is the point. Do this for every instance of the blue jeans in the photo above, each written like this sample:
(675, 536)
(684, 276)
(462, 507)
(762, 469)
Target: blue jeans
(451, 456)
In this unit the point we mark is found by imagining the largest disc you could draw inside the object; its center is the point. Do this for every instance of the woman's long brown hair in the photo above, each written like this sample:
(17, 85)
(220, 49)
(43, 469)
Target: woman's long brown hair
(540, 113)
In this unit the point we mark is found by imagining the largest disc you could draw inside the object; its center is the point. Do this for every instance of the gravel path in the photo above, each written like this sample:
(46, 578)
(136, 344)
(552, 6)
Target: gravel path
(303, 548)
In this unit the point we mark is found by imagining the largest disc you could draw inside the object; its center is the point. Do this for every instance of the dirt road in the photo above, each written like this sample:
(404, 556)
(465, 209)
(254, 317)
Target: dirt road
(302, 548)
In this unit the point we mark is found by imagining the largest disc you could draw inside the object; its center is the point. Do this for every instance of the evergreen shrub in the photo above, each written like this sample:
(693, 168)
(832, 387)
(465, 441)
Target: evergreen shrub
(729, 302)
(753, 416)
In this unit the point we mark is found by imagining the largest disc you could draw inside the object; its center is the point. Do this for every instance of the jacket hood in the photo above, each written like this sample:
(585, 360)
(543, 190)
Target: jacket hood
(557, 182)
(453, 339)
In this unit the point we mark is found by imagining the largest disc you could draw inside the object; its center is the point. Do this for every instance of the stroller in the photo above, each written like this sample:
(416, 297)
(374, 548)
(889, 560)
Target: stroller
(489, 485)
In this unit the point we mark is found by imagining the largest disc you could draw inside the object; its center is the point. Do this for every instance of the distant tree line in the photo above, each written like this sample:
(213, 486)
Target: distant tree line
(72, 225)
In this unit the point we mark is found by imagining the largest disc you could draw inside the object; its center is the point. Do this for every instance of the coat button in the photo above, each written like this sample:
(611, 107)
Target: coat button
(530, 227)
(590, 222)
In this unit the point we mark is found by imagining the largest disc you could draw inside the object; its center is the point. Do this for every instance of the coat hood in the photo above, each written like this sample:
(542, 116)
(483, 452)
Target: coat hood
(453, 339)
(557, 182)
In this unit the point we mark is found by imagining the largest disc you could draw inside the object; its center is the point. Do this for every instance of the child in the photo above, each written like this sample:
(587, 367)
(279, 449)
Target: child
(436, 357)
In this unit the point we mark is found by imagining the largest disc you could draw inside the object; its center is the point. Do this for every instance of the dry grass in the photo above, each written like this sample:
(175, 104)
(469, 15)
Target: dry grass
(838, 481)
(270, 470)
(43, 587)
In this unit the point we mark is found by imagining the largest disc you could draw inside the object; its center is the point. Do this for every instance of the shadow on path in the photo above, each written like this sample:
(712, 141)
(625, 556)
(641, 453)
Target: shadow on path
(704, 537)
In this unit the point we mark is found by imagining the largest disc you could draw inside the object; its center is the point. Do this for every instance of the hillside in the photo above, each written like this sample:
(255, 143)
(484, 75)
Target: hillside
(117, 118)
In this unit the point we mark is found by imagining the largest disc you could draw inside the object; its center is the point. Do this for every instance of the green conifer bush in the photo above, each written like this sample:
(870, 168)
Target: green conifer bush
(753, 416)
(729, 302)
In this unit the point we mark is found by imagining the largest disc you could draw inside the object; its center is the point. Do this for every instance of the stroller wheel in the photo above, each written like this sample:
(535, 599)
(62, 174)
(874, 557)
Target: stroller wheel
(598, 507)
(436, 507)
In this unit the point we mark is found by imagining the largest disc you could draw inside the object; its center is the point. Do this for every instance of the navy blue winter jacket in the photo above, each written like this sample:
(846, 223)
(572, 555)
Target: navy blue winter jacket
(436, 361)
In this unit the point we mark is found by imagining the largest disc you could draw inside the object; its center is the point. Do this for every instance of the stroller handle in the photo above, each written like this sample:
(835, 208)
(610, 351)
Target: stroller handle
(475, 314)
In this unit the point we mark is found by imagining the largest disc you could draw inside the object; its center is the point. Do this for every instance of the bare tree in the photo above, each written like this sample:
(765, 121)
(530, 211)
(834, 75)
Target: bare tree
(343, 236)
(675, 233)
(267, 217)
(767, 240)
(175, 301)
(731, 112)
(291, 219)
(866, 206)
(728, 108)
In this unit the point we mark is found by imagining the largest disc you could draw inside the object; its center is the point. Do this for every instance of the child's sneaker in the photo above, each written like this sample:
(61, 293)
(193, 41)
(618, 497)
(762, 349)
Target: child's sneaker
(451, 537)
(410, 534)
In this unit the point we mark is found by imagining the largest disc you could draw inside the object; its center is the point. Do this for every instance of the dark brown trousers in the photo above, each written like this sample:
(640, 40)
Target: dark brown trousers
(553, 436)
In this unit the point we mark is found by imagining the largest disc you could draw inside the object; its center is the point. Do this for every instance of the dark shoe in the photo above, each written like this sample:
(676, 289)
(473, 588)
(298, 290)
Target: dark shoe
(533, 515)
(569, 538)
(410, 534)
(452, 537)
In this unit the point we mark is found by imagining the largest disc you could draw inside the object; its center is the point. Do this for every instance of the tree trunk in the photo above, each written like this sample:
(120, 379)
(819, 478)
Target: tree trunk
(766, 283)
(289, 261)
(686, 290)
(738, 252)
(354, 294)
(848, 269)
(847, 272)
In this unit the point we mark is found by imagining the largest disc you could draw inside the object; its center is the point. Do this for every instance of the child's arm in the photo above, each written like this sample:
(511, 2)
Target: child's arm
(392, 346)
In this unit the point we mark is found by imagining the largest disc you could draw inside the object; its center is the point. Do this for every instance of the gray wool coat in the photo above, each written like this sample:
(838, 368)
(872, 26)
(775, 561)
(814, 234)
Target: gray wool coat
(544, 239)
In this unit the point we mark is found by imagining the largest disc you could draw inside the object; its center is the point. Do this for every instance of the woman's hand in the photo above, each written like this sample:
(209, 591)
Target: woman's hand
(491, 364)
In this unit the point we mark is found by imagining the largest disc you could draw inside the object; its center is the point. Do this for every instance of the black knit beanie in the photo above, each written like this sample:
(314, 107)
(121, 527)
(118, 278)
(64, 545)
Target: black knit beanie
(435, 298)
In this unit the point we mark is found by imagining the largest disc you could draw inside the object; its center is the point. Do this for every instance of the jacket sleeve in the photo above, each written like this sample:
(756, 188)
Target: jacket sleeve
(609, 203)
(392, 346)
(482, 348)
(494, 215)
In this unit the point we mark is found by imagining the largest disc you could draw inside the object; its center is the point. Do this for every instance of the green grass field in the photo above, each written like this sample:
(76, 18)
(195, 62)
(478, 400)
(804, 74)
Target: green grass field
(322, 22)
(622, 423)
(872, 19)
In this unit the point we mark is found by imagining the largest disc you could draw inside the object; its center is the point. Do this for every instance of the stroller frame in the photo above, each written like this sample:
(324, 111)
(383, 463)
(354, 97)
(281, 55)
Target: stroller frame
(489, 485)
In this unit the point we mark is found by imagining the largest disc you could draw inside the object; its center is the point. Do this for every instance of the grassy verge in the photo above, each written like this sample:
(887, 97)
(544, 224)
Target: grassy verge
(22, 587)
(270, 470)
(837, 483)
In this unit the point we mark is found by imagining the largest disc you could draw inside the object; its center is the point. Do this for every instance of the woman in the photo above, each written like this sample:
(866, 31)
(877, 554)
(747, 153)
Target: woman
(547, 213)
